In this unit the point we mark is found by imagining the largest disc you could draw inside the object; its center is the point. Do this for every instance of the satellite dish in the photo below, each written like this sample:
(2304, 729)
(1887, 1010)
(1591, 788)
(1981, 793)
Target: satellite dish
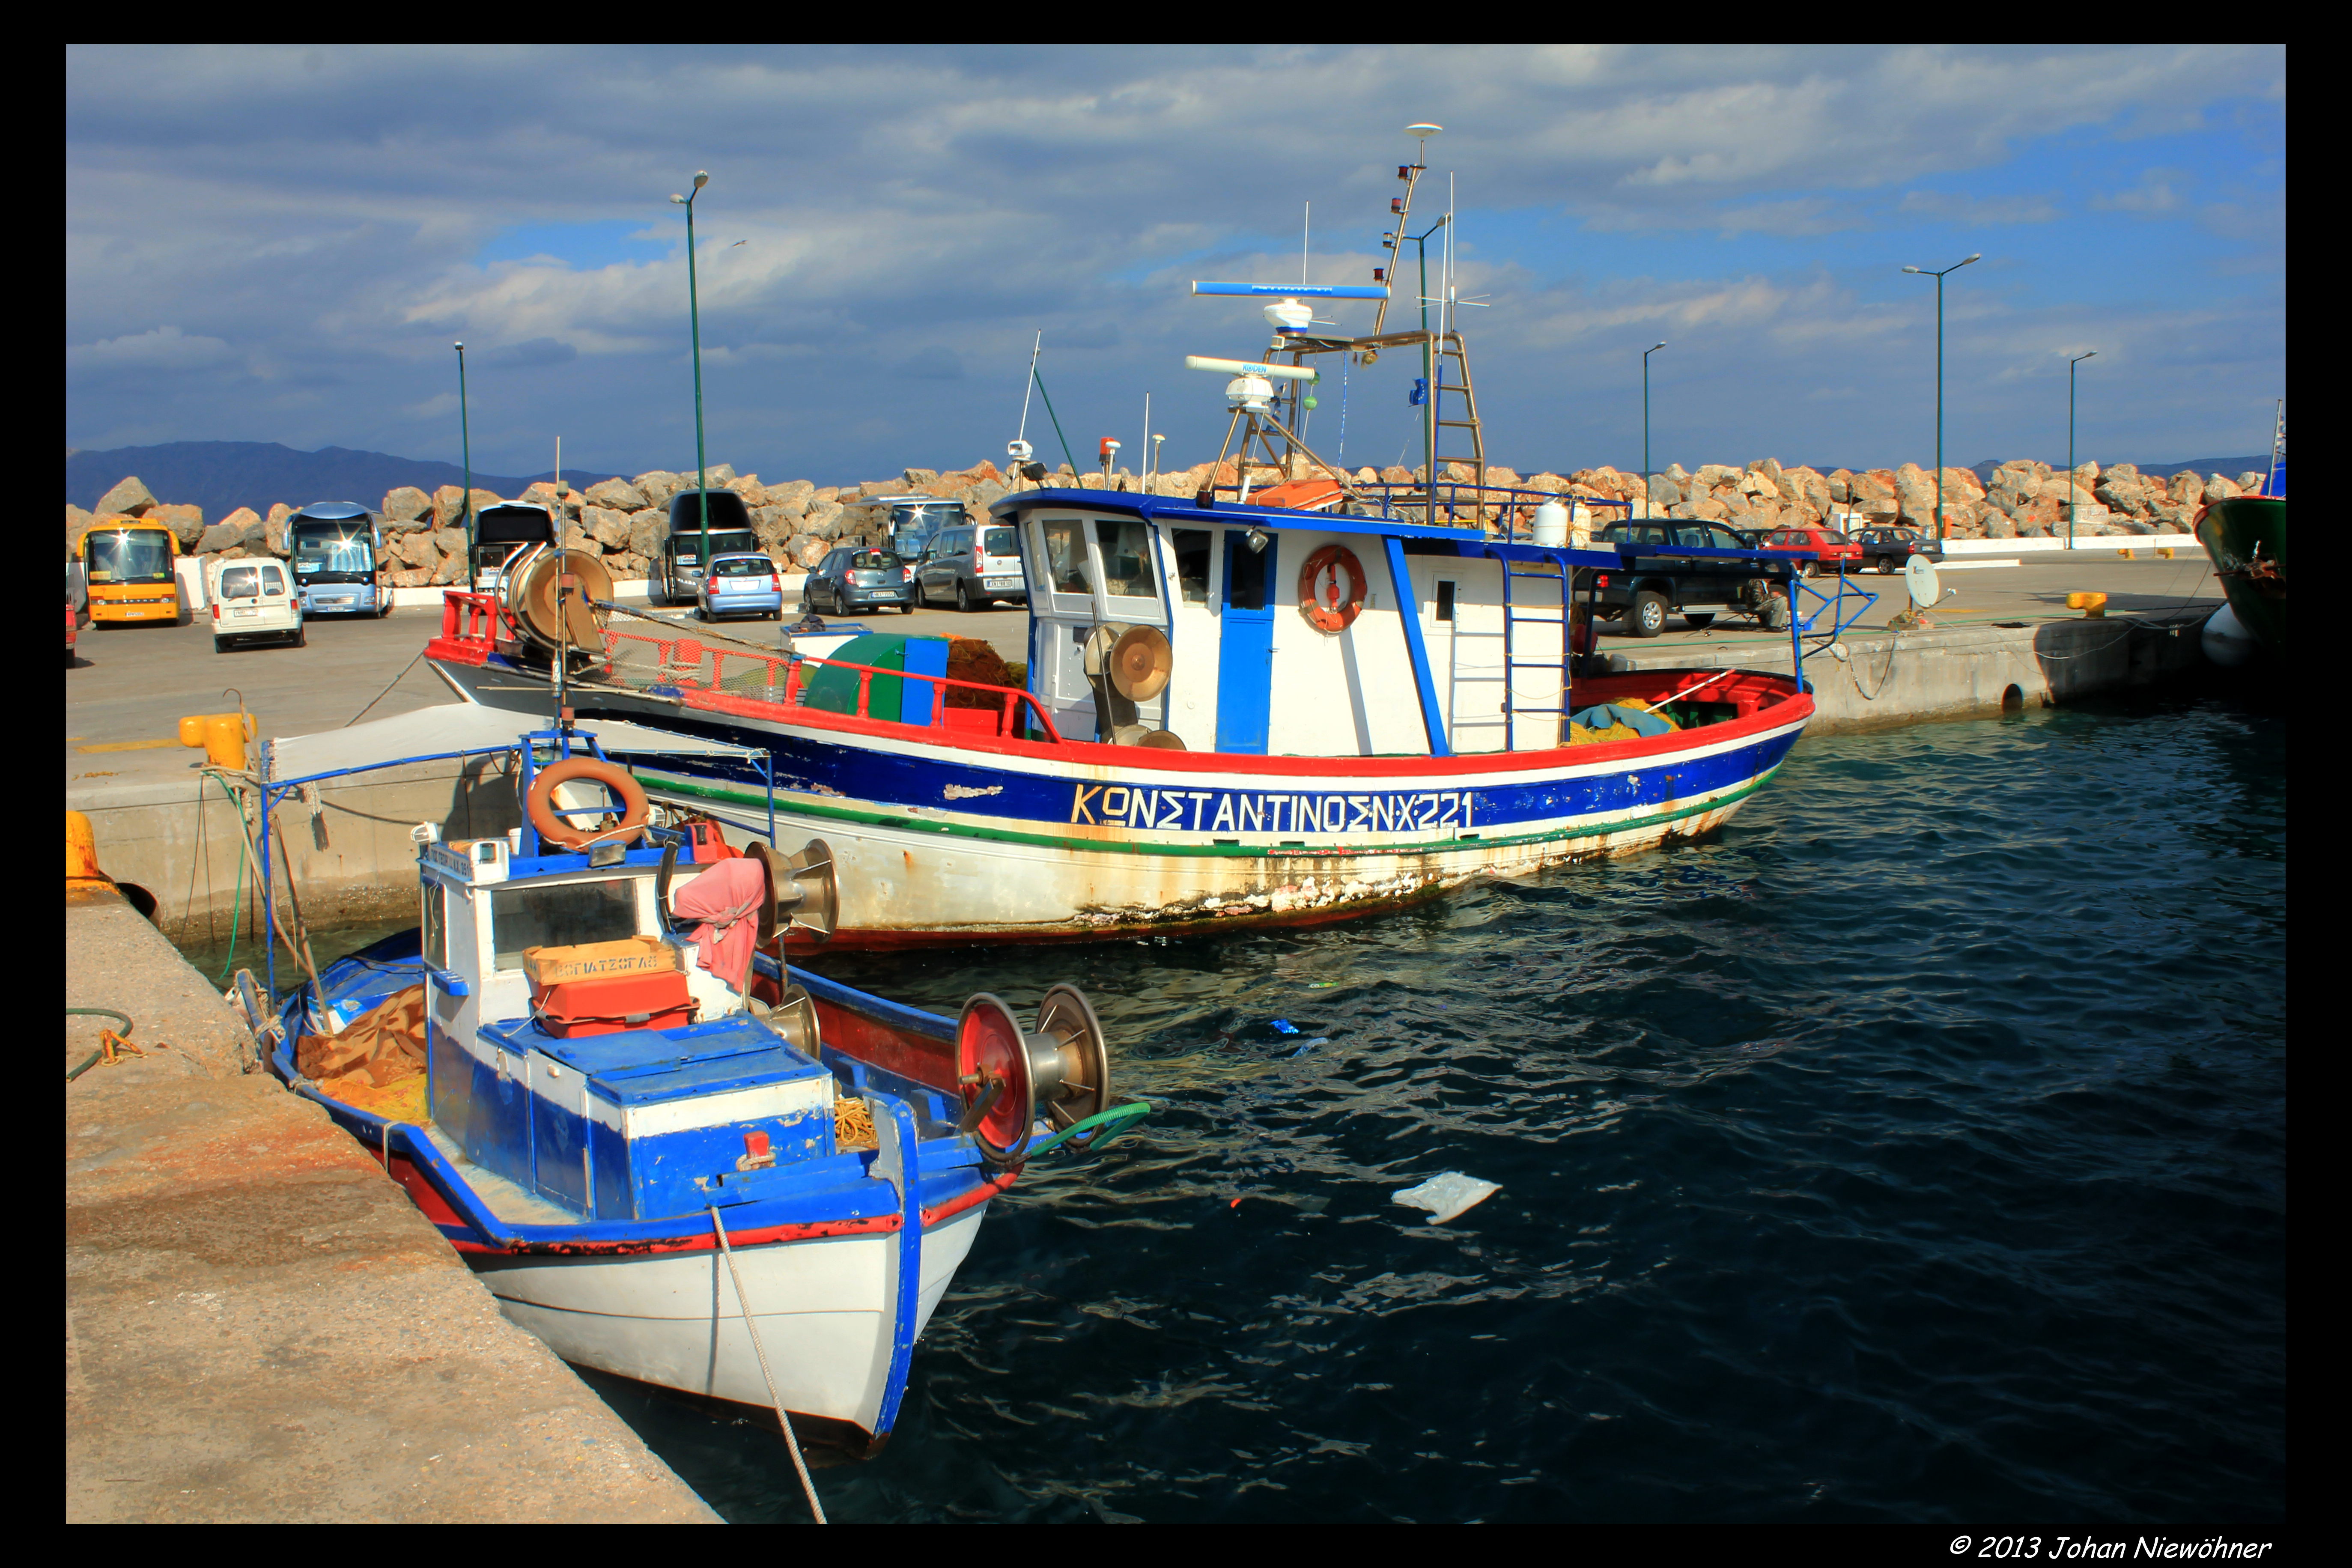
(1139, 663)
(1919, 576)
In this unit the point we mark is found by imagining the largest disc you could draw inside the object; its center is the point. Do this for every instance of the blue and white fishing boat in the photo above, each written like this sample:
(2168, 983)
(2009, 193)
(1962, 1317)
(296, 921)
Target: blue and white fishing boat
(1290, 697)
(751, 1184)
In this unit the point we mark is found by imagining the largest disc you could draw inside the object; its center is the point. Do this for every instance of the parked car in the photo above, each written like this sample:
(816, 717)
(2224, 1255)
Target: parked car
(739, 584)
(1658, 579)
(251, 600)
(1890, 548)
(1836, 551)
(860, 577)
(975, 564)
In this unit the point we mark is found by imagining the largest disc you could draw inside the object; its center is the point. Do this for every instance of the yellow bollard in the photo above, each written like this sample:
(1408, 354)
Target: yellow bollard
(81, 849)
(220, 736)
(2092, 606)
(2164, 552)
(2126, 554)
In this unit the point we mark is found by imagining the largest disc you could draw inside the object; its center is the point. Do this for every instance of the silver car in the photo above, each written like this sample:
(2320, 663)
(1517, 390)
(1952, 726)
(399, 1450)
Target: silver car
(739, 584)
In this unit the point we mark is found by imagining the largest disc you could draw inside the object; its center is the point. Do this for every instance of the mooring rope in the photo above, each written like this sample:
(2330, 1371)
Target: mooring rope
(744, 1305)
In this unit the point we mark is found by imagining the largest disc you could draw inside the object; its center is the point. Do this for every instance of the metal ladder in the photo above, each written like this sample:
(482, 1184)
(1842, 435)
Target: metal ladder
(1449, 346)
(1512, 616)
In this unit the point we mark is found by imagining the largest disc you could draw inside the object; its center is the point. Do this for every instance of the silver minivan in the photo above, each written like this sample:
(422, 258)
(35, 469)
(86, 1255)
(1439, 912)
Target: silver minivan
(974, 564)
(252, 599)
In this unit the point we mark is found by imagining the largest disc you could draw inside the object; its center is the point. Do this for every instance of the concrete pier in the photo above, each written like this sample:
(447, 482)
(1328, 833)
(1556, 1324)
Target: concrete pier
(1953, 672)
(260, 1326)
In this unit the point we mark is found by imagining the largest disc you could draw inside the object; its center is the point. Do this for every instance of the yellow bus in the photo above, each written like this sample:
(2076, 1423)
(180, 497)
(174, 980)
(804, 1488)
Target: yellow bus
(129, 564)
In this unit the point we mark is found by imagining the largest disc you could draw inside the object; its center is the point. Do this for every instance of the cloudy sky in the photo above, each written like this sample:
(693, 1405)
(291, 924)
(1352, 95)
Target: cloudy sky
(281, 245)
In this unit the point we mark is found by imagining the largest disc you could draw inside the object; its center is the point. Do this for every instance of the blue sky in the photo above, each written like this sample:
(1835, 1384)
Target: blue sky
(281, 243)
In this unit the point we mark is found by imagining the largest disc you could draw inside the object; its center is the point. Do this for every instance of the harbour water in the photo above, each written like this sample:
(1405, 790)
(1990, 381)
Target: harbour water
(1914, 1148)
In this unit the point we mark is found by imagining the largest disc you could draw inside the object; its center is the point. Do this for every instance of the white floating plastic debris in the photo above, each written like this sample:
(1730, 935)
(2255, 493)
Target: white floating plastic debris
(1447, 1195)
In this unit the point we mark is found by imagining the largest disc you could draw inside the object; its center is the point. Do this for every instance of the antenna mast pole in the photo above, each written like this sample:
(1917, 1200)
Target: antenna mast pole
(1031, 384)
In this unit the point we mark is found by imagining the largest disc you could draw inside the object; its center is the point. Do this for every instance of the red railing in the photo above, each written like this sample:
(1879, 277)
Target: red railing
(681, 661)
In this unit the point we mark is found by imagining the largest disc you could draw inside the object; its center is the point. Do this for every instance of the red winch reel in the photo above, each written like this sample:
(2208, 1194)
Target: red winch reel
(1009, 1077)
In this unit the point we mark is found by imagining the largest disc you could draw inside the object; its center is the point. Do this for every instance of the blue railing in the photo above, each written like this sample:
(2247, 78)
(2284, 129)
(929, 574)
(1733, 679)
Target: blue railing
(1460, 502)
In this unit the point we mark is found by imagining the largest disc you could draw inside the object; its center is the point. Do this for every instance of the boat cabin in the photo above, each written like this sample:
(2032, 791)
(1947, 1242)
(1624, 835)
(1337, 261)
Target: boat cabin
(575, 1047)
(1294, 633)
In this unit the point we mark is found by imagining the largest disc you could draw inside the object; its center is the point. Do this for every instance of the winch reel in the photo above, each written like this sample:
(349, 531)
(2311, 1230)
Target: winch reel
(803, 895)
(1009, 1077)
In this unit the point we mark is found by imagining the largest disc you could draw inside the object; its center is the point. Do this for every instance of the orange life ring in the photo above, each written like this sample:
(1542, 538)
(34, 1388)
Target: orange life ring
(552, 829)
(1328, 608)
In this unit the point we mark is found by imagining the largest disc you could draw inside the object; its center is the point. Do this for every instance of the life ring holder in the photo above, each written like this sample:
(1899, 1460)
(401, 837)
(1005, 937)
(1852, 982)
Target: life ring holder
(1336, 616)
(539, 806)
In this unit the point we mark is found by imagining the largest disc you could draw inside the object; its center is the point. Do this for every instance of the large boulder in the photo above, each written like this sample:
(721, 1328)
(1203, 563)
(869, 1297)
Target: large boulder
(617, 495)
(78, 522)
(186, 523)
(1841, 482)
(610, 529)
(410, 576)
(822, 522)
(657, 485)
(449, 505)
(1715, 476)
(404, 507)
(916, 478)
(1813, 492)
(1663, 491)
(128, 497)
(416, 548)
(773, 526)
(451, 569)
(278, 530)
(2252, 482)
(808, 550)
(749, 487)
(250, 531)
(2187, 487)
(2218, 488)
(647, 528)
(223, 535)
(793, 496)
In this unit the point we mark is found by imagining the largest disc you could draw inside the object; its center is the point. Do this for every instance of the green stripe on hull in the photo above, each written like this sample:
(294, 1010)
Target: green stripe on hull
(759, 804)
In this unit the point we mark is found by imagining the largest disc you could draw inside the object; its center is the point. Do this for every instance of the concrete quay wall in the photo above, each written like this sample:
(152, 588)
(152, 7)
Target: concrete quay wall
(1953, 672)
(259, 1325)
(354, 860)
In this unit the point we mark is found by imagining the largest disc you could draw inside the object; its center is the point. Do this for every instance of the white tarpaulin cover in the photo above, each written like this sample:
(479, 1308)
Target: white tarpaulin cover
(459, 727)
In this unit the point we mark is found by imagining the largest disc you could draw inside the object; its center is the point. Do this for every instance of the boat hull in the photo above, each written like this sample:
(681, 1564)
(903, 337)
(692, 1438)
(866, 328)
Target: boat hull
(822, 1306)
(2245, 537)
(940, 841)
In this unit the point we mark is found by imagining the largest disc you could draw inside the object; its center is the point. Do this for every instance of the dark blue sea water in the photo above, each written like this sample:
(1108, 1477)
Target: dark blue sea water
(1914, 1149)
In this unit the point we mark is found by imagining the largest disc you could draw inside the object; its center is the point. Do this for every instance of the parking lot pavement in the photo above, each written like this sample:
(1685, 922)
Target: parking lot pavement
(132, 684)
(2033, 592)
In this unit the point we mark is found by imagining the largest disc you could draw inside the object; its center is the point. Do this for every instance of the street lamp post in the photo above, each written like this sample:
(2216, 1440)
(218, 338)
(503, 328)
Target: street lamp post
(466, 447)
(694, 318)
(1939, 277)
(1653, 348)
(2070, 364)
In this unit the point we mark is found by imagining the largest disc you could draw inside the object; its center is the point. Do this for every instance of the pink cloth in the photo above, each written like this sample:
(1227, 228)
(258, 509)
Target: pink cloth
(725, 899)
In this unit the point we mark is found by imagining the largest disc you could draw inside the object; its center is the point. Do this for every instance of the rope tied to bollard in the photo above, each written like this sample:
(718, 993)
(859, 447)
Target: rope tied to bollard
(744, 1305)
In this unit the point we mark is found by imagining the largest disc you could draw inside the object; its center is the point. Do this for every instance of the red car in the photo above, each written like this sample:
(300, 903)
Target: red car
(1837, 552)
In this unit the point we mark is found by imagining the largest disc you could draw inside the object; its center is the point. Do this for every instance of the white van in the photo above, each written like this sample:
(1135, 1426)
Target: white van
(252, 598)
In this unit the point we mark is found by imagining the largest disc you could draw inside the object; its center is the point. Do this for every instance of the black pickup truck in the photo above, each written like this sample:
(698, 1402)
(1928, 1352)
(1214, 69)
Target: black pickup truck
(1658, 580)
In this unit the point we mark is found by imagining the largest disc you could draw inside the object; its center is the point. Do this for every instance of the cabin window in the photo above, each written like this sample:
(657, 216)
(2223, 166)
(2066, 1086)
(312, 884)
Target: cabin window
(1125, 558)
(561, 915)
(241, 582)
(1244, 571)
(1066, 556)
(1444, 600)
(434, 926)
(1193, 563)
(273, 581)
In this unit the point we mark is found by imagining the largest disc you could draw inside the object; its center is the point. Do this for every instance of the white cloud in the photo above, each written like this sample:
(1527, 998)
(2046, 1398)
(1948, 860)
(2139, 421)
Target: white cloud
(160, 347)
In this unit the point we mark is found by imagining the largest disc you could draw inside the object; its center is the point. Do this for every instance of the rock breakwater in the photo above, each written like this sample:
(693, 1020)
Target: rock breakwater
(797, 520)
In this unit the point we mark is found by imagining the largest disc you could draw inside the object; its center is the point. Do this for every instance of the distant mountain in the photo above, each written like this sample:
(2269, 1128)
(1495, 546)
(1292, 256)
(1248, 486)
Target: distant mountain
(2231, 467)
(221, 476)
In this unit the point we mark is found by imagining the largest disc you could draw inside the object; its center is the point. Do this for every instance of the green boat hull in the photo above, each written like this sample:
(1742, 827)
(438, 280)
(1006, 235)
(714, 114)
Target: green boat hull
(2246, 538)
